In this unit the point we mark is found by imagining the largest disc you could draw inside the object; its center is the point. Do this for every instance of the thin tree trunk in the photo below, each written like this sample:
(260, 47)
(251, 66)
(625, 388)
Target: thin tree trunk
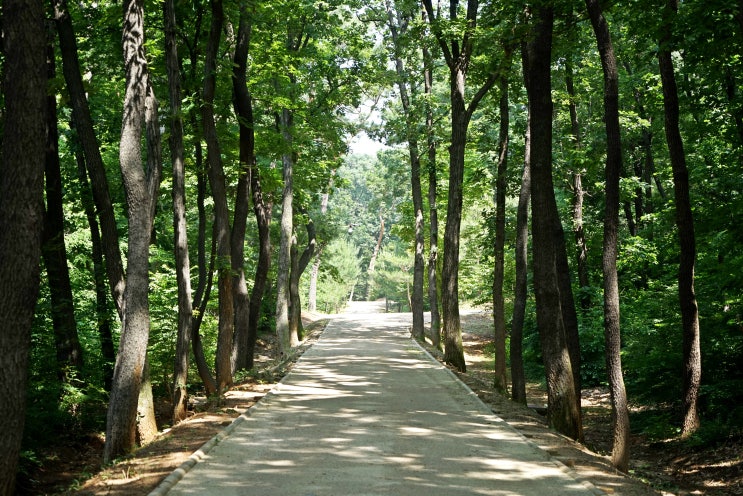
(93, 160)
(397, 23)
(499, 317)
(612, 337)
(283, 333)
(562, 410)
(433, 221)
(180, 242)
(69, 351)
(21, 213)
(299, 265)
(243, 110)
(581, 250)
(685, 224)
(223, 359)
(314, 273)
(518, 380)
(103, 312)
(373, 260)
(140, 108)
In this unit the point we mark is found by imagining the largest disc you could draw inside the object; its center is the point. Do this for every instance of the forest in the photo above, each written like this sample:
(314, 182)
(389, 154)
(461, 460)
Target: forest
(180, 178)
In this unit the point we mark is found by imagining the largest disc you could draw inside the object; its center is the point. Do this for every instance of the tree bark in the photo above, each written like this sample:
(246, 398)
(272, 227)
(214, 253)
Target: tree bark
(299, 265)
(180, 242)
(685, 223)
(21, 213)
(397, 24)
(499, 317)
(612, 336)
(69, 351)
(243, 111)
(140, 111)
(433, 221)
(518, 380)
(223, 360)
(93, 160)
(286, 339)
(562, 410)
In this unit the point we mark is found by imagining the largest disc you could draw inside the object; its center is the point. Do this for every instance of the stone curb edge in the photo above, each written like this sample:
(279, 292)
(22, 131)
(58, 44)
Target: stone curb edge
(564, 468)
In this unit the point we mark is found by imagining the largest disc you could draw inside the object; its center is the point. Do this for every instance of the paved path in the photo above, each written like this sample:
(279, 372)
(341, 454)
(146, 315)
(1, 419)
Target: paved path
(366, 411)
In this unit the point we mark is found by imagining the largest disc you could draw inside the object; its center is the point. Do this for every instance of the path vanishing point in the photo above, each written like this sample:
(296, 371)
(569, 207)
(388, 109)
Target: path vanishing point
(366, 411)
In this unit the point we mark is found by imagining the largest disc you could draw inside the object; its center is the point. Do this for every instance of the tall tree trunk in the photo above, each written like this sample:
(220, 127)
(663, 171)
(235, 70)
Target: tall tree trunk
(223, 360)
(499, 317)
(457, 54)
(246, 337)
(242, 351)
(521, 255)
(103, 313)
(283, 333)
(612, 337)
(433, 221)
(314, 274)
(397, 22)
(562, 409)
(372, 261)
(93, 160)
(21, 213)
(685, 223)
(140, 108)
(180, 242)
(69, 351)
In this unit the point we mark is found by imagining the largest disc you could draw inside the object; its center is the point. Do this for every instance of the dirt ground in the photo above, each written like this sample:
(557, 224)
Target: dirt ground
(666, 468)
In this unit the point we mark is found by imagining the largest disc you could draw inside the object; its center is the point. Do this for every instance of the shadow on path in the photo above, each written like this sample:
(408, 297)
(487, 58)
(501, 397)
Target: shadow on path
(366, 411)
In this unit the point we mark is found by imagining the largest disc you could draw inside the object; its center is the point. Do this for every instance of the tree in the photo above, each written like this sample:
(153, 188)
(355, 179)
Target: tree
(140, 114)
(620, 410)
(180, 242)
(222, 230)
(499, 317)
(21, 213)
(457, 51)
(397, 23)
(685, 223)
(562, 410)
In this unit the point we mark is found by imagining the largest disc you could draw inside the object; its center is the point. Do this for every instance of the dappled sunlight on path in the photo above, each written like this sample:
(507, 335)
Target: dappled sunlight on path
(366, 411)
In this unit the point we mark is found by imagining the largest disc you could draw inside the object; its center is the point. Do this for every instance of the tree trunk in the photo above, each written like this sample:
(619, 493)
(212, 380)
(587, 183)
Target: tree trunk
(103, 314)
(283, 332)
(223, 359)
(242, 351)
(685, 224)
(146, 423)
(433, 221)
(372, 261)
(612, 337)
(518, 380)
(581, 250)
(180, 242)
(299, 265)
(397, 23)
(21, 213)
(243, 104)
(499, 317)
(93, 159)
(141, 186)
(562, 411)
(314, 273)
(69, 351)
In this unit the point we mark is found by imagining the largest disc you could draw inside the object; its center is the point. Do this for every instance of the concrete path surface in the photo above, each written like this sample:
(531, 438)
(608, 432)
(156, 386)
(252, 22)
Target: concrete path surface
(366, 411)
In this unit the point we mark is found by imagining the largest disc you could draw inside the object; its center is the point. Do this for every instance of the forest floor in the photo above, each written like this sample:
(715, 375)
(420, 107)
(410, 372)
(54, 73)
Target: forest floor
(671, 467)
